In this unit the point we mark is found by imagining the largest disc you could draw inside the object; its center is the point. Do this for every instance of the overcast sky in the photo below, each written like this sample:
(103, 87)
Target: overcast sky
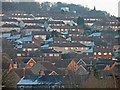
(111, 6)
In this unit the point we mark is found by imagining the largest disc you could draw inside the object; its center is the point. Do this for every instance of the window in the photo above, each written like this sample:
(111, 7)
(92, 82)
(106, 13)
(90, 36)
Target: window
(82, 48)
(61, 29)
(45, 54)
(31, 64)
(95, 53)
(35, 49)
(19, 54)
(99, 53)
(56, 54)
(66, 48)
(50, 55)
(36, 36)
(71, 48)
(24, 49)
(29, 49)
(110, 53)
(73, 29)
(105, 53)
(70, 34)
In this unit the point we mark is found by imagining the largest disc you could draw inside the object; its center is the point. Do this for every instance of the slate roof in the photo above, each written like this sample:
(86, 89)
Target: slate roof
(35, 21)
(44, 80)
(48, 51)
(42, 65)
(40, 32)
(26, 59)
(96, 34)
(5, 35)
(14, 37)
(25, 39)
(67, 45)
(20, 72)
(29, 45)
(81, 70)
(55, 22)
(101, 49)
(10, 25)
(34, 27)
(9, 20)
(81, 38)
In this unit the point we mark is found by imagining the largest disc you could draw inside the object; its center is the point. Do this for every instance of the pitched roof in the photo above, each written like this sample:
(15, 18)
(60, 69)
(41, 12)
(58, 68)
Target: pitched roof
(43, 65)
(48, 65)
(101, 49)
(55, 22)
(37, 67)
(10, 25)
(81, 70)
(25, 39)
(44, 80)
(26, 60)
(35, 21)
(72, 65)
(81, 38)
(67, 45)
(29, 45)
(20, 72)
(48, 51)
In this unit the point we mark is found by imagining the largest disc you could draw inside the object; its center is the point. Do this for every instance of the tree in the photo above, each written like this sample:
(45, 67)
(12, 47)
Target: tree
(54, 34)
(7, 47)
(9, 79)
(80, 22)
(45, 6)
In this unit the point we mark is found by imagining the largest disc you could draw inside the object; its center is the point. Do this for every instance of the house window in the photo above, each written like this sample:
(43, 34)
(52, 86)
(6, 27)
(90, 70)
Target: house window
(66, 48)
(18, 55)
(105, 53)
(24, 49)
(36, 36)
(82, 48)
(61, 29)
(110, 53)
(50, 55)
(31, 64)
(56, 55)
(95, 53)
(99, 53)
(35, 49)
(73, 29)
(77, 34)
(29, 49)
(45, 54)
(70, 34)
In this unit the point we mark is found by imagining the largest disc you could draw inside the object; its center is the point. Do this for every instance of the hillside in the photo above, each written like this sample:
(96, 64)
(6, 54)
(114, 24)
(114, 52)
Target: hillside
(48, 7)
